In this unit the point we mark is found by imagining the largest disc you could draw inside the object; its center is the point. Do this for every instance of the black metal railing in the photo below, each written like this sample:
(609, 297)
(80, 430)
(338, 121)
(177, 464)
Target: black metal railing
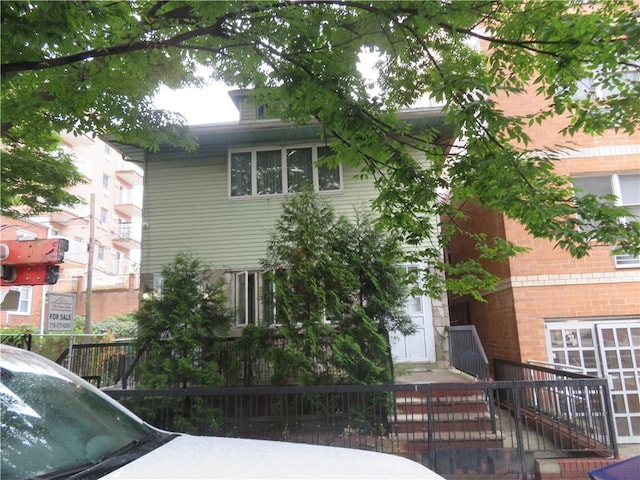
(238, 364)
(573, 408)
(448, 427)
(103, 364)
(467, 353)
(20, 340)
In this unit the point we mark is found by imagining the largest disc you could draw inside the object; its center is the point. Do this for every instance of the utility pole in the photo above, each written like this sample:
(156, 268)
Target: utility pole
(92, 226)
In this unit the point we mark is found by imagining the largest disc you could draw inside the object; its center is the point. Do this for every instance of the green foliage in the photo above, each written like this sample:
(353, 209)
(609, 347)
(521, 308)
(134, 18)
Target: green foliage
(118, 326)
(60, 72)
(187, 414)
(34, 179)
(180, 326)
(249, 351)
(338, 292)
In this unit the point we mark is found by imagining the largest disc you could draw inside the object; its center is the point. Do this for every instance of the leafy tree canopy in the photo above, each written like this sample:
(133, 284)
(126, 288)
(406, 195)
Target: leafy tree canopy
(179, 325)
(337, 288)
(95, 66)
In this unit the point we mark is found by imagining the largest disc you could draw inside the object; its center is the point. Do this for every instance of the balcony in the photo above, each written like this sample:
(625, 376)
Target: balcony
(126, 205)
(77, 255)
(67, 214)
(126, 236)
(129, 173)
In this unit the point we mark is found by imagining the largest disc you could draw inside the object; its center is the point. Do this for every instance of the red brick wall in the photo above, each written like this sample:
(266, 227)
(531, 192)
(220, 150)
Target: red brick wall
(107, 303)
(535, 304)
(495, 322)
(570, 468)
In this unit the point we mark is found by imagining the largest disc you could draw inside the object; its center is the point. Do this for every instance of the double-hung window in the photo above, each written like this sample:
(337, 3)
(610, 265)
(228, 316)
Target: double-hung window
(253, 299)
(626, 188)
(272, 171)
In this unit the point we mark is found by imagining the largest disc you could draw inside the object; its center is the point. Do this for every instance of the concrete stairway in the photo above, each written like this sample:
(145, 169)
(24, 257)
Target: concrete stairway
(461, 420)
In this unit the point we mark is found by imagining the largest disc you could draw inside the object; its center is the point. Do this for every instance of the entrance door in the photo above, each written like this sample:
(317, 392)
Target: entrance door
(609, 350)
(620, 344)
(419, 347)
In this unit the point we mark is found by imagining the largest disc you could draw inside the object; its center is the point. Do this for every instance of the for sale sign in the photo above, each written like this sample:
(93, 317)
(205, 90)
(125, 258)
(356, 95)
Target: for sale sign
(61, 312)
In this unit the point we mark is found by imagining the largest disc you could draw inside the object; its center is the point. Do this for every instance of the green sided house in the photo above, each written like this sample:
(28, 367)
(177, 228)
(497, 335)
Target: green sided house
(222, 201)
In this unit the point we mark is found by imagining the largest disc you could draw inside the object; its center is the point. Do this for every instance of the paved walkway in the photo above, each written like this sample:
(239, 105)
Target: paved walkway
(433, 376)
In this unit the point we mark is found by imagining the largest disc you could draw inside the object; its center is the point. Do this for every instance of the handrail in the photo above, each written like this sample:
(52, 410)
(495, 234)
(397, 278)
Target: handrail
(467, 353)
(559, 366)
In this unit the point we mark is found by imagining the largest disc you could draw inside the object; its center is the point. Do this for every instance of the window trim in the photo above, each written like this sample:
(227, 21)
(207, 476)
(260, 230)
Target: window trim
(28, 300)
(254, 295)
(253, 151)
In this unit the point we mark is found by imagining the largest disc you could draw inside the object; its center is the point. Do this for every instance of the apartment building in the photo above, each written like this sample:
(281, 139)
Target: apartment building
(550, 307)
(108, 218)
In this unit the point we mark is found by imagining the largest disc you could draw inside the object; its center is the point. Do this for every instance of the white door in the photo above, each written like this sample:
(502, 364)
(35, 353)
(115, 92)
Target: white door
(620, 344)
(609, 350)
(419, 347)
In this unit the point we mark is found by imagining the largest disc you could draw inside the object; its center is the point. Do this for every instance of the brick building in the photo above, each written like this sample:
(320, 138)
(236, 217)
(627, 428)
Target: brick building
(113, 227)
(550, 307)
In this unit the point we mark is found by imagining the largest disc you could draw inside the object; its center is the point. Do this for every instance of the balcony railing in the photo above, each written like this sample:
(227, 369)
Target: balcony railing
(77, 253)
(127, 204)
(129, 173)
(127, 233)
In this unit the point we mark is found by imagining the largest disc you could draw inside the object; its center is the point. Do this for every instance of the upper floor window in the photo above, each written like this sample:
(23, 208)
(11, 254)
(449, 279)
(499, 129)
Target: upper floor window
(106, 181)
(626, 189)
(104, 216)
(596, 87)
(278, 171)
(102, 255)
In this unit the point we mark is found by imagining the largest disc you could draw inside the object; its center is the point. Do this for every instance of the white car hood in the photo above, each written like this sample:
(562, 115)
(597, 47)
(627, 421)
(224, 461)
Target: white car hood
(191, 457)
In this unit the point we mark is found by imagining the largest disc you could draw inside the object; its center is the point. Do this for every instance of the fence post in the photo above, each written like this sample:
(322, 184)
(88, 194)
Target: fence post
(518, 421)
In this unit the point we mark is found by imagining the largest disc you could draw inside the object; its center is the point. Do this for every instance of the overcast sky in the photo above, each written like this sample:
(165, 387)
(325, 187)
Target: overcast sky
(210, 104)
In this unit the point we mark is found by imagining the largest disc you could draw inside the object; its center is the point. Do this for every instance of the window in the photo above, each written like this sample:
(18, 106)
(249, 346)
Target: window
(105, 184)
(24, 303)
(25, 235)
(104, 216)
(269, 172)
(119, 263)
(102, 254)
(240, 171)
(274, 172)
(328, 177)
(626, 188)
(253, 299)
(595, 87)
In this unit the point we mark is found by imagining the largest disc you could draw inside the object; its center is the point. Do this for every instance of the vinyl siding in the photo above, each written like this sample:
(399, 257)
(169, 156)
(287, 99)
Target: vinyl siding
(187, 209)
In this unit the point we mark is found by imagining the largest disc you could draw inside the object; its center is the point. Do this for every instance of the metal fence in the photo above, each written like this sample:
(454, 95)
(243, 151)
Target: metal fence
(102, 364)
(20, 340)
(574, 408)
(447, 427)
(239, 365)
(467, 353)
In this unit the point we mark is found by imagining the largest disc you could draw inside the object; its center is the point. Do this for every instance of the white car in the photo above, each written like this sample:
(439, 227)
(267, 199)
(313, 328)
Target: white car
(57, 426)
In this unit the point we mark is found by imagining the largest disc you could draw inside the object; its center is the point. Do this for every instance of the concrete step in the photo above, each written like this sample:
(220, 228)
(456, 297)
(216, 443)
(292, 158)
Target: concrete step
(419, 443)
(460, 424)
(469, 403)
